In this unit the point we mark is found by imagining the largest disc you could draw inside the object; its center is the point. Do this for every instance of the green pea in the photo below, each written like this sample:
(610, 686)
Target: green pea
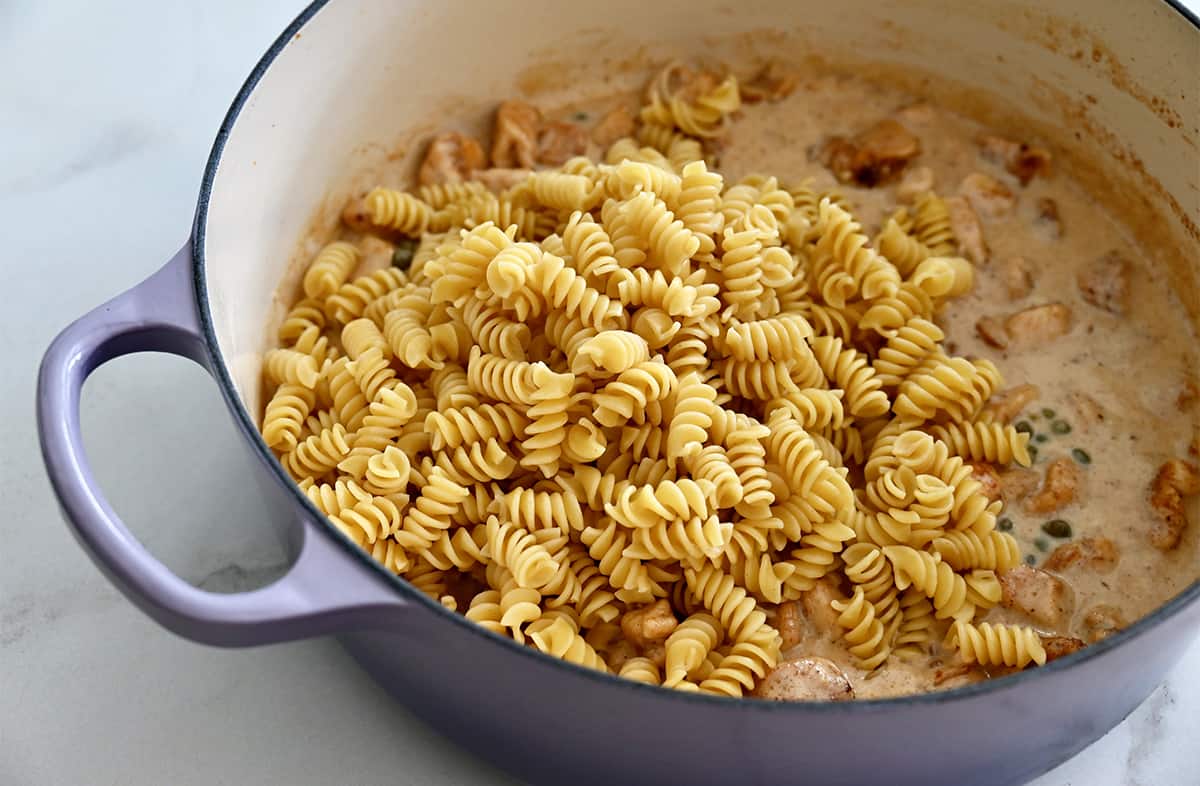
(1040, 438)
(1081, 455)
(1005, 524)
(580, 117)
(1024, 427)
(1041, 544)
(1030, 560)
(1057, 528)
(1034, 416)
(403, 254)
(1048, 413)
(1033, 453)
(1060, 427)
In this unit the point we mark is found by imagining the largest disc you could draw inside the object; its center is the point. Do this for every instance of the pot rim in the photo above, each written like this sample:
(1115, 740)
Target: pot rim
(248, 425)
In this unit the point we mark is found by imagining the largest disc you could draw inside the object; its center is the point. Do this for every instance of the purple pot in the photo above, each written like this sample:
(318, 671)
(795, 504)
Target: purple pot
(488, 693)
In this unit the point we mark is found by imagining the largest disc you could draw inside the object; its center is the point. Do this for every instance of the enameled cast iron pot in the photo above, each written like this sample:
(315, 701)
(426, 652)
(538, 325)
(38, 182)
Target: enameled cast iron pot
(1121, 78)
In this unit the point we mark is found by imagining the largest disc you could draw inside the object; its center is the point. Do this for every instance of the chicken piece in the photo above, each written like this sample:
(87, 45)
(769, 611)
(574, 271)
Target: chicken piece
(1087, 410)
(1094, 554)
(818, 610)
(838, 155)
(1037, 325)
(967, 229)
(806, 679)
(451, 158)
(1105, 282)
(377, 254)
(917, 181)
(1189, 394)
(616, 124)
(619, 652)
(1017, 275)
(515, 134)
(1016, 484)
(958, 675)
(885, 147)
(1175, 480)
(1102, 621)
(874, 156)
(774, 82)
(989, 479)
(1061, 487)
(1007, 404)
(648, 624)
(356, 215)
(790, 624)
(559, 142)
(1047, 218)
(1061, 646)
(500, 179)
(989, 197)
(1018, 158)
(656, 652)
(1042, 596)
(991, 330)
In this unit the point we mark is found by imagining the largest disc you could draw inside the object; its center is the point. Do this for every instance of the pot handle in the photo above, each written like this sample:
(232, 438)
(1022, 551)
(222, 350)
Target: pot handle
(326, 590)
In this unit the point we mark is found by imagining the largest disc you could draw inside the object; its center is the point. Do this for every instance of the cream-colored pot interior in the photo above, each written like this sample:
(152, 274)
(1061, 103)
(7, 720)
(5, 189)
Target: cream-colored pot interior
(1115, 84)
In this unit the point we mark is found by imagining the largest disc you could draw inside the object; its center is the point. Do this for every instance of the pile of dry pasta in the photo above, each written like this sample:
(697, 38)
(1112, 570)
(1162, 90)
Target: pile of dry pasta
(621, 410)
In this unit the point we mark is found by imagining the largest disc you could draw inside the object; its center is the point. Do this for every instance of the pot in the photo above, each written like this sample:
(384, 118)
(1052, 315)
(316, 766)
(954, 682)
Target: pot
(326, 102)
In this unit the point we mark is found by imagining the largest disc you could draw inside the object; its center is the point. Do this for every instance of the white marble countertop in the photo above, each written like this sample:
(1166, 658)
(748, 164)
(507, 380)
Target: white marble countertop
(106, 117)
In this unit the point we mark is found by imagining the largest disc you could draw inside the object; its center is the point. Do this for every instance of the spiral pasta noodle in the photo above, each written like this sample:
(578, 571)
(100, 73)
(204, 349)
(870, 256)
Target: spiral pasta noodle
(997, 645)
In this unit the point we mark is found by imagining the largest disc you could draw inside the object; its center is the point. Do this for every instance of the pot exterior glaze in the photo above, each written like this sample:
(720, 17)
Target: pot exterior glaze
(326, 104)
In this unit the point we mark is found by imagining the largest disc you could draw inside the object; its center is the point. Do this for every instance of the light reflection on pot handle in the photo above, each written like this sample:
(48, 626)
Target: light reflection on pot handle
(326, 590)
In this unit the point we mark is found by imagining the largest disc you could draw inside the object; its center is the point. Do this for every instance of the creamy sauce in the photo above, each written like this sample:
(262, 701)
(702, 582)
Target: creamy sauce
(1135, 366)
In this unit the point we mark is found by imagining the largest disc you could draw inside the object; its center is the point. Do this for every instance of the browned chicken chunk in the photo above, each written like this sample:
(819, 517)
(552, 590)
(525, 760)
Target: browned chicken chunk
(1094, 554)
(806, 679)
(872, 157)
(651, 623)
(1175, 480)
(515, 135)
(1105, 283)
(989, 197)
(1060, 646)
(1060, 488)
(958, 675)
(451, 158)
(1039, 324)
(967, 229)
(616, 124)
(559, 141)
(1044, 597)
(1017, 275)
(992, 331)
